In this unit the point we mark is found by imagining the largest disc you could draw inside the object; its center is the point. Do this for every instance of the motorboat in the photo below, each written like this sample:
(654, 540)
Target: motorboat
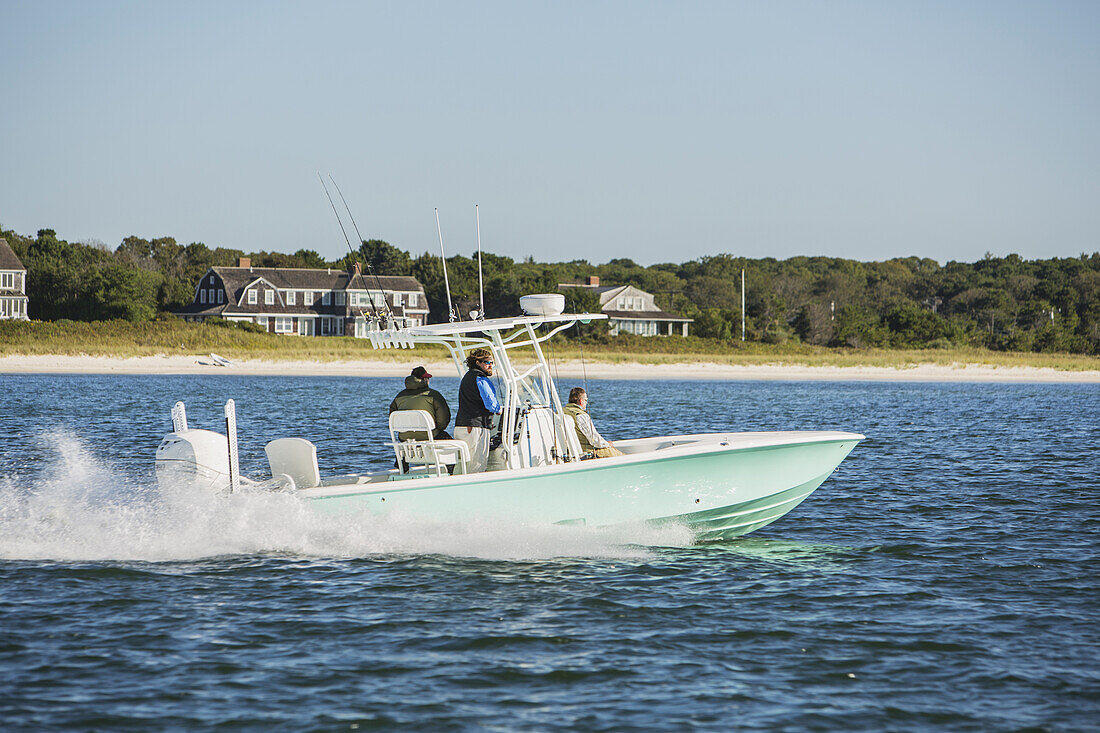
(718, 485)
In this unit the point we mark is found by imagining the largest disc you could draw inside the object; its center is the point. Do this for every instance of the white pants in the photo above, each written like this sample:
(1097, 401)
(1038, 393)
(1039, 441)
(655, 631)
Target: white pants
(478, 440)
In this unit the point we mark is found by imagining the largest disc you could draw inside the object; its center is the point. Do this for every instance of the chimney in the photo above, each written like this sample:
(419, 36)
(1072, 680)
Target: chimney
(244, 262)
(593, 281)
(358, 268)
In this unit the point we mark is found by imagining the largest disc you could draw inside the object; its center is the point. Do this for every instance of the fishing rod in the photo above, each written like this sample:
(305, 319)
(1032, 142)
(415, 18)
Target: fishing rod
(451, 315)
(346, 239)
(480, 279)
(370, 267)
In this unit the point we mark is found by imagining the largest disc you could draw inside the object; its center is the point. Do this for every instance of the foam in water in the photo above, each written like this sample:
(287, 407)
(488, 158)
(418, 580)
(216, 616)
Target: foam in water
(79, 509)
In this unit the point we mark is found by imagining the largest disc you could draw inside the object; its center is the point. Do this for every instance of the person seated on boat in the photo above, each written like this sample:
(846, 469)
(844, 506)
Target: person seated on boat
(417, 395)
(590, 439)
(477, 403)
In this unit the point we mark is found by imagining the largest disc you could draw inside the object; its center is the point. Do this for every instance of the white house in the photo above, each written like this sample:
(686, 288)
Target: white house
(632, 310)
(306, 302)
(13, 284)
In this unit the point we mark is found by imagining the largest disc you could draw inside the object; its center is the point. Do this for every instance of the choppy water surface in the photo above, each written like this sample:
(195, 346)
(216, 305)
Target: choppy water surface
(945, 578)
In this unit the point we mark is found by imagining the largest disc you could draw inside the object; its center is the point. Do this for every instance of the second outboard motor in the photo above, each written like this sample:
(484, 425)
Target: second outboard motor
(193, 458)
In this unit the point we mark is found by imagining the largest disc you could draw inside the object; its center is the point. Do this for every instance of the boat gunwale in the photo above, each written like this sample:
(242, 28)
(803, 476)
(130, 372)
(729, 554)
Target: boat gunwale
(675, 452)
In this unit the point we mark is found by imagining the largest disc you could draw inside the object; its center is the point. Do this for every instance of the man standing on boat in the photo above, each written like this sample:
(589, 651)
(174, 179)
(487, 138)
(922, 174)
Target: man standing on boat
(590, 439)
(477, 403)
(417, 395)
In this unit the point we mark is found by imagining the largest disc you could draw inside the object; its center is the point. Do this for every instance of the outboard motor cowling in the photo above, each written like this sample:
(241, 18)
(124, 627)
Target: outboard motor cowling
(195, 459)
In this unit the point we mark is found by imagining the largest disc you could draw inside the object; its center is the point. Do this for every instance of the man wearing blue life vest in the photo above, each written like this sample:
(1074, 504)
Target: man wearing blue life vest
(477, 403)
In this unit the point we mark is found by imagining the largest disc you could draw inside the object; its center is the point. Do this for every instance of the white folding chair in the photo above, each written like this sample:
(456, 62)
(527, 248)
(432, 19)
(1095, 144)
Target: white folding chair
(430, 453)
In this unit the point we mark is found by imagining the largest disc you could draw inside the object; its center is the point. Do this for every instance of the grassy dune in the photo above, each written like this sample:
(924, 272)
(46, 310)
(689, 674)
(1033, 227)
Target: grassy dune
(124, 339)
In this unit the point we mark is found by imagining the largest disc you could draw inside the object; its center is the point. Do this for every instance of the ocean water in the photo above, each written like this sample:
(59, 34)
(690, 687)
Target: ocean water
(947, 577)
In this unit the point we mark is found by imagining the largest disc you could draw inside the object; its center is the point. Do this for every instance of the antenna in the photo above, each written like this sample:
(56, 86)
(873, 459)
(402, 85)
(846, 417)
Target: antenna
(446, 282)
(341, 223)
(480, 279)
(370, 267)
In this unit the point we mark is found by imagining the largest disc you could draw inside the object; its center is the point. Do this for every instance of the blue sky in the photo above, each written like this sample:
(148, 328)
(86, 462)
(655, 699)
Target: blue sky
(657, 131)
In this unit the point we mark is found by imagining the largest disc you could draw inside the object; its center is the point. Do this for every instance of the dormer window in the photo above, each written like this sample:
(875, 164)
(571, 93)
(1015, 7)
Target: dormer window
(252, 297)
(291, 297)
(307, 297)
(326, 298)
(412, 300)
(269, 297)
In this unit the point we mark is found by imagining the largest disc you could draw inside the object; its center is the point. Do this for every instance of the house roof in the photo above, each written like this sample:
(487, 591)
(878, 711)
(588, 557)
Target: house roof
(236, 278)
(647, 316)
(8, 259)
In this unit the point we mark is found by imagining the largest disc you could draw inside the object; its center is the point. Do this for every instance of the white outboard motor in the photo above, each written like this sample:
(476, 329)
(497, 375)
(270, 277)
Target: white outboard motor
(194, 459)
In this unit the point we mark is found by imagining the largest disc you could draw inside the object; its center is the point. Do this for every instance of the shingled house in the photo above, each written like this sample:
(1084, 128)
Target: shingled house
(306, 302)
(632, 310)
(13, 284)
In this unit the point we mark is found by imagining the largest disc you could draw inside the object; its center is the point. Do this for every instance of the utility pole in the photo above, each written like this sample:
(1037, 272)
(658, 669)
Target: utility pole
(742, 304)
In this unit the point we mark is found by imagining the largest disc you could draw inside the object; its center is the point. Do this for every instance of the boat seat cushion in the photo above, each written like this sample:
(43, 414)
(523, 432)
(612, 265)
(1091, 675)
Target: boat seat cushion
(295, 457)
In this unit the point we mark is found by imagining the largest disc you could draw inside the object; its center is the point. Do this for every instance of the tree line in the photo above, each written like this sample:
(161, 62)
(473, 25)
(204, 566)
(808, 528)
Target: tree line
(1003, 303)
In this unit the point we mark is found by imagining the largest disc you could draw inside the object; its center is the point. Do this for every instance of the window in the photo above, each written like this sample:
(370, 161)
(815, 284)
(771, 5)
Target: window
(202, 296)
(379, 299)
(340, 298)
(339, 326)
(413, 299)
(252, 297)
(284, 325)
(326, 298)
(291, 297)
(7, 280)
(397, 298)
(262, 321)
(326, 326)
(269, 297)
(307, 297)
(221, 296)
(211, 278)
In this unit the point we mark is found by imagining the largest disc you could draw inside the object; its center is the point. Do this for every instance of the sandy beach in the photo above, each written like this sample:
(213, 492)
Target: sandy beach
(203, 364)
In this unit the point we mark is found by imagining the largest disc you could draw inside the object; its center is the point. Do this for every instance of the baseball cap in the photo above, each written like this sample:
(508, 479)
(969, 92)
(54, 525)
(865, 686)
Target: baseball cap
(421, 373)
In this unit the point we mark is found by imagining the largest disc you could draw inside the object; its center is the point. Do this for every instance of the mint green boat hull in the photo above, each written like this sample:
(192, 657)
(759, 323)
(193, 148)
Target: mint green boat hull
(719, 487)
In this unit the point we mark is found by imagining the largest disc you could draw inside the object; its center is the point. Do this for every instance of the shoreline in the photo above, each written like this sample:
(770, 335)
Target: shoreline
(203, 364)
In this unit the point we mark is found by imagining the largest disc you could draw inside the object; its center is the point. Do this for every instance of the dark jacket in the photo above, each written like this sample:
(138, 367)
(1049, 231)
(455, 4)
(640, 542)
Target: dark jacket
(417, 395)
(472, 411)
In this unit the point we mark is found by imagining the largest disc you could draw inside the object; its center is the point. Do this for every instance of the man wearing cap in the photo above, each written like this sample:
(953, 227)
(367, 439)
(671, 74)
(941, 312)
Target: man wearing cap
(417, 395)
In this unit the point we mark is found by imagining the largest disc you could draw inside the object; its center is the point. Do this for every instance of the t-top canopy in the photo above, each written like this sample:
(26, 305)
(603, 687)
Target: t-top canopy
(497, 324)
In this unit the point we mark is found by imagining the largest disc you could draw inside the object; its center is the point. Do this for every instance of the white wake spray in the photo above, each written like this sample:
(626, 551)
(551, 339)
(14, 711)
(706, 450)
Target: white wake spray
(79, 509)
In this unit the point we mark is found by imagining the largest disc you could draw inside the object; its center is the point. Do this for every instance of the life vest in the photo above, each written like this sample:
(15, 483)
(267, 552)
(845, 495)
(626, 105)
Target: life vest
(471, 408)
(573, 410)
